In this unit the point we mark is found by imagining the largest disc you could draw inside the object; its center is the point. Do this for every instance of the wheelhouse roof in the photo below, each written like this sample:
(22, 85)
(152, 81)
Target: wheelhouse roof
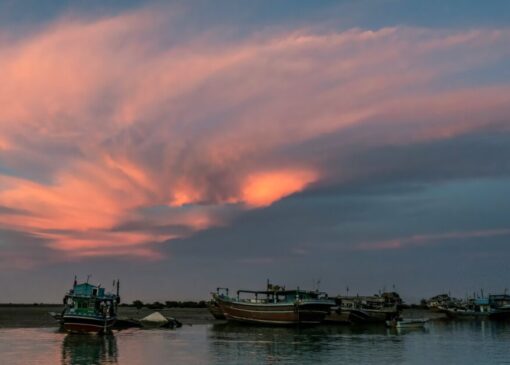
(279, 292)
(86, 290)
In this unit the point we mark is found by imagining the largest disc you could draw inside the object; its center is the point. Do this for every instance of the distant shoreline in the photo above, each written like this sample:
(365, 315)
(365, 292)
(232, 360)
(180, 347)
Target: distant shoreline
(30, 316)
(30, 304)
(153, 305)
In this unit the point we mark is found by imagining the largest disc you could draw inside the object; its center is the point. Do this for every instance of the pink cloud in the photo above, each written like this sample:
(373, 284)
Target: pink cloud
(262, 189)
(425, 239)
(163, 122)
(13, 260)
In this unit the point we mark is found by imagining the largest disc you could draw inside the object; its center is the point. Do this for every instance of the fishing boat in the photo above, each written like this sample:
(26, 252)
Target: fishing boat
(365, 309)
(213, 305)
(491, 307)
(500, 304)
(88, 308)
(275, 306)
(439, 302)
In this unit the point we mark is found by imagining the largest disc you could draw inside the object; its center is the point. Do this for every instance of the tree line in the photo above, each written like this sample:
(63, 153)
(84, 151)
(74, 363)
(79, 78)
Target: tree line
(167, 304)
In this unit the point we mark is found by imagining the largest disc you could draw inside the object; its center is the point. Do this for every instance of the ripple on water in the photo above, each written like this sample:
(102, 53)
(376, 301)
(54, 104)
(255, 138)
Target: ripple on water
(442, 342)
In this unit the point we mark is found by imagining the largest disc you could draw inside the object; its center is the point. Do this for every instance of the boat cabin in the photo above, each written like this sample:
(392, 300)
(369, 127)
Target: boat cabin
(87, 290)
(278, 296)
(374, 302)
(90, 300)
(482, 305)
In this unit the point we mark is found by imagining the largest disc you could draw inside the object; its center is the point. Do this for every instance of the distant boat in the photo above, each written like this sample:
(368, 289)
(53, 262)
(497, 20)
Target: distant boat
(365, 309)
(439, 302)
(491, 307)
(89, 309)
(275, 306)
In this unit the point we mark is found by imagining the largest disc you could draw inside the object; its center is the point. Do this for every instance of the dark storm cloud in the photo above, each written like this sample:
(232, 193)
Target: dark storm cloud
(471, 155)
(390, 193)
(342, 237)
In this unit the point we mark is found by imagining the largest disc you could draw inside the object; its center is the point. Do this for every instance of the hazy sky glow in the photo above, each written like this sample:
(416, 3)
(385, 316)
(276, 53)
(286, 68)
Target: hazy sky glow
(187, 145)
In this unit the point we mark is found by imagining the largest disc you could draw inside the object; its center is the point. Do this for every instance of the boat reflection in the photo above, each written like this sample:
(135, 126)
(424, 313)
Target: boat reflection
(89, 349)
(267, 345)
(486, 329)
(403, 331)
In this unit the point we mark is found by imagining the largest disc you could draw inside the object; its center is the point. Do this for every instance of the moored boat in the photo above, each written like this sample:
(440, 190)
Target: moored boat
(439, 302)
(215, 310)
(365, 309)
(275, 306)
(213, 305)
(88, 308)
(491, 307)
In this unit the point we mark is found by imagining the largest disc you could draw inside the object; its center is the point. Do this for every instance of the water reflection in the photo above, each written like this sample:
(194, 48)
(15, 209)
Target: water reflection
(485, 329)
(404, 331)
(89, 350)
(231, 343)
(454, 342)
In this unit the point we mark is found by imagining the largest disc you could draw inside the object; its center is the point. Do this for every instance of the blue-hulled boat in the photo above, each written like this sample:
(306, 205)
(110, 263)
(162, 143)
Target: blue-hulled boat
(88, 308)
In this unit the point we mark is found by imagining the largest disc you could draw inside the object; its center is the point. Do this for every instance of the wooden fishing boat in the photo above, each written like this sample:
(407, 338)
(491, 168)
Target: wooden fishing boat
(491, 307)
(214, 307)
(364, 309)
(215, 310)
(88, 308)
(275, 306)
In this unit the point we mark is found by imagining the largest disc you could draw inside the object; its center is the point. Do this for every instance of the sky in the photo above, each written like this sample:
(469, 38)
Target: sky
(184, 145)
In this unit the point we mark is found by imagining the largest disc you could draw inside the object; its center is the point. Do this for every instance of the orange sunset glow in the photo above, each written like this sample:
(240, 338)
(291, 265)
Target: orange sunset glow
(119, 137)
(264, 189)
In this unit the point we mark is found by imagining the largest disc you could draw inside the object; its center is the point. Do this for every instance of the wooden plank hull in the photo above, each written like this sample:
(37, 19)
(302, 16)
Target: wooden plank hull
(338, 317)
(275, 314)
(364, 316)
(360, 316)
(465, 314)
(215, 310)
(73, 323)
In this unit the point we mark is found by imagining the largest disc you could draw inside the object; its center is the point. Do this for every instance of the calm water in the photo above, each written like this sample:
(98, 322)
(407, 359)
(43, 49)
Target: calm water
(440, 343)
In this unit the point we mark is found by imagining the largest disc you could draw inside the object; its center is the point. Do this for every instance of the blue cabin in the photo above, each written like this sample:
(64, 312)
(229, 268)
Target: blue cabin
(88, 290)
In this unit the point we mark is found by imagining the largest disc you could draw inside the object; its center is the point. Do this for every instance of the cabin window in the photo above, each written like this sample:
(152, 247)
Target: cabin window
(94, 292)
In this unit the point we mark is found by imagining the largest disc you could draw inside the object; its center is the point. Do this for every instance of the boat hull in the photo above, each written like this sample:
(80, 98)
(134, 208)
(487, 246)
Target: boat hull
(496, 315)
(82, 324)
(275, 314)
(215, 310)
(338, 317)
(466, 314)
(360, 316)
(370, 316)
